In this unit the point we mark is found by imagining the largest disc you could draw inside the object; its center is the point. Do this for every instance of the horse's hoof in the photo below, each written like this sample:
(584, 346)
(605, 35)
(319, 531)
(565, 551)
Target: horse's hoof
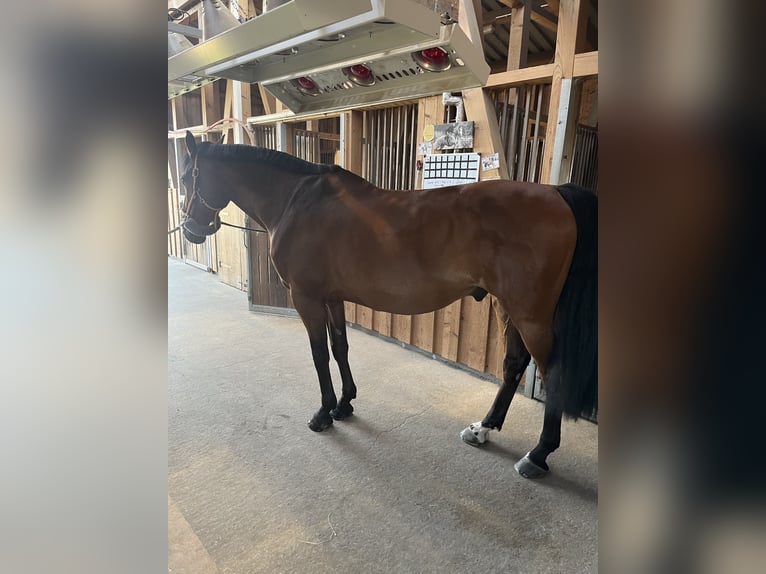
(342, 411)
(528, 469)
(475, 434)
(320, 422)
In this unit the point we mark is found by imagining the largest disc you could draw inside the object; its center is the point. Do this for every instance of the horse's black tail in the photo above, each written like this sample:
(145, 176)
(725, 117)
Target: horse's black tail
(571, 378)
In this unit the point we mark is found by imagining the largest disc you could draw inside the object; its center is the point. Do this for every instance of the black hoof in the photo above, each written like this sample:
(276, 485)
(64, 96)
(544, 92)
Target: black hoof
(528, 469)
(342, 411)
(320, 421)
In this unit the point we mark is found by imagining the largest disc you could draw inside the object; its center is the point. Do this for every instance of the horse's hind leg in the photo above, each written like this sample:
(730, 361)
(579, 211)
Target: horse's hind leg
(314, 317)
(533, 464)
(515, 361)
(539, 340)
(336, 327)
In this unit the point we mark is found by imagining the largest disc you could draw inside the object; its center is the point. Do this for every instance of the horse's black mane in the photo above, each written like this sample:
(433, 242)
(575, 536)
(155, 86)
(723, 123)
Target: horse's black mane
(238, 152)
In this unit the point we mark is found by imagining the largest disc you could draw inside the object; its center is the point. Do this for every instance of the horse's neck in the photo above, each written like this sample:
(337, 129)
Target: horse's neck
(264, 193)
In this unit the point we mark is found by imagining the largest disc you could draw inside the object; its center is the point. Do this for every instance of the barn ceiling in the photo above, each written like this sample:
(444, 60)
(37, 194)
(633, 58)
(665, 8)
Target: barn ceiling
(496, 21)
(198, 65)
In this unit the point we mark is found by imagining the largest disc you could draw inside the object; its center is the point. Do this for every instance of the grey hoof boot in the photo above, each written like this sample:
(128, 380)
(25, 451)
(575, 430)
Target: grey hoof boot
(475, 434)
(528, 469)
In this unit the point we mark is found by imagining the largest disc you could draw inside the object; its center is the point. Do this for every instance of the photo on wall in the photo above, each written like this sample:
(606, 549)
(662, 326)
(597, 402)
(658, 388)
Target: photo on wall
(457, 135)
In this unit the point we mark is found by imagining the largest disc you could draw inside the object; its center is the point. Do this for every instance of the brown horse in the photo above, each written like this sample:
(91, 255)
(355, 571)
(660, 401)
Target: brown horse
(336, 237)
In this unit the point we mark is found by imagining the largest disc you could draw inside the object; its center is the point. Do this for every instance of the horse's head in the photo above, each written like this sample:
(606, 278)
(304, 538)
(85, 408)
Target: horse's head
(203, 200)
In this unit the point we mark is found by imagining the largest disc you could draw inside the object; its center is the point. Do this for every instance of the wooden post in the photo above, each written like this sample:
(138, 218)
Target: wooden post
(478, 106)
(353, 141)
(211, 105)
(351, 144)
(227, 105)
(269, 101)
(518, 38)
(286, 137)
(561, 88)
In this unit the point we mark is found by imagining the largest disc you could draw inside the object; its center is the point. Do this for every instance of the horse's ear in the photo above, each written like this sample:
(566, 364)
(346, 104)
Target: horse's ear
(191, 143)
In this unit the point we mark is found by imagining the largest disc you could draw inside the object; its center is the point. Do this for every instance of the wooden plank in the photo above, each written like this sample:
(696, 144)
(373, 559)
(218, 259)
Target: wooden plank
(478, 106)
(438, 347)
(211, 104)
(585, 64)
(401, 328)
(262, 287)
(364, 316)
(450, 330)
(495, 346)
(246, 111)
(227, 104)
(518, 38)
(474, 332)
(423, 331)
(486, 131)
(534, 75)
(350, 312)
(544, 19)
(381, 322)
(563, 69)
(230, 248)
(352, 140)
(269, 101)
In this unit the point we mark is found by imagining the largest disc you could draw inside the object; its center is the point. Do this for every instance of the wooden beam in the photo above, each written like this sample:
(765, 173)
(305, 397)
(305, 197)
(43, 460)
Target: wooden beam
(478, 106)
(535, 75)
(269, 101)
(544, 19)
(584, 65)
(561, 85)
(496, 16)
(227, 104)
(518, 39)
(211, 105)
(352, 141)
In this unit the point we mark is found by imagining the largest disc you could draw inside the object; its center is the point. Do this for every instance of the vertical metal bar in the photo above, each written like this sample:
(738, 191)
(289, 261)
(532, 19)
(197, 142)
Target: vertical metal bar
(389, 146)
(535, 139)
(365, 142)
(414, 148)
(513, 163)
(403, 147)
(385, 171)
(523, 143)
(391, 151)
(378, 145)
(371, 146)
(397, 149)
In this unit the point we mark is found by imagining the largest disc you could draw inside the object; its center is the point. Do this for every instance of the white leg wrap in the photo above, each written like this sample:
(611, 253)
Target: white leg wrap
(475, 434)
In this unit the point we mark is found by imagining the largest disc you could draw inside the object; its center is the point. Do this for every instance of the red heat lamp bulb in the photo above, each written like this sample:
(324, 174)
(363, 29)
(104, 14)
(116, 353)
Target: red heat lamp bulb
(307, 83)
(435, 55)
(433, 59)
(361, 71)
(360, 74)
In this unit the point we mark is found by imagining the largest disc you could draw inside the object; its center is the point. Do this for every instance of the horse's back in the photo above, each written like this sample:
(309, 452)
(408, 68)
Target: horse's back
(413, 252)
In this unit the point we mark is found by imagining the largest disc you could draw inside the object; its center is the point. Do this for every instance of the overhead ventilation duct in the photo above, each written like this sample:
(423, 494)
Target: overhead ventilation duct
(216, 19)
(325, 56)
(177, 43)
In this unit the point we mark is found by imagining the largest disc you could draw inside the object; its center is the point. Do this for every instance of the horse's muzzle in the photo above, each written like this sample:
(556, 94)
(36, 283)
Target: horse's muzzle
(195, 232)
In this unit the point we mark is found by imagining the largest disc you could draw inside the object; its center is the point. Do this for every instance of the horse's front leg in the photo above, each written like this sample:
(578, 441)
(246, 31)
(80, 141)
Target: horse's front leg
(314, 317)
(339, 343)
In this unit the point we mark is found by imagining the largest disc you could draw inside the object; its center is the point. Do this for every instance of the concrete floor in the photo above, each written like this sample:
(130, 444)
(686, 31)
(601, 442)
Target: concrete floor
(393, 489)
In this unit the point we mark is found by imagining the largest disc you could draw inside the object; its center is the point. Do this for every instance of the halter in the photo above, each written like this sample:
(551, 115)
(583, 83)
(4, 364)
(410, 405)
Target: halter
(189, 223)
